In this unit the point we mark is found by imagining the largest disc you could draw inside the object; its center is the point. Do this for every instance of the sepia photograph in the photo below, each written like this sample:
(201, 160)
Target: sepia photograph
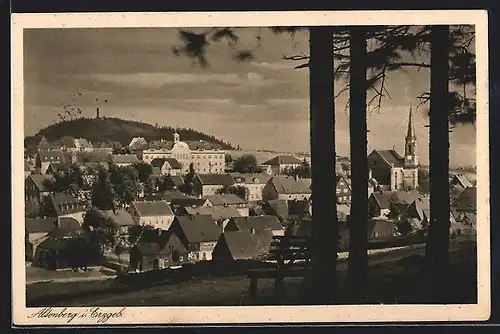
(205, 165)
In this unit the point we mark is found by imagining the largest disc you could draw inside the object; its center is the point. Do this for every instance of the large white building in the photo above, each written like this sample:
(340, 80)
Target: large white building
(206, 158)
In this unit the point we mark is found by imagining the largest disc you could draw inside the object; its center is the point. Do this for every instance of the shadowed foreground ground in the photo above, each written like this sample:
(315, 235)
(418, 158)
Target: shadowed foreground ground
(389, 284)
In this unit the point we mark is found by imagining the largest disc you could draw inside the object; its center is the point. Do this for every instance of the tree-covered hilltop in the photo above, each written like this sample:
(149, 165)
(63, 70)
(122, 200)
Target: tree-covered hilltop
(117, 130)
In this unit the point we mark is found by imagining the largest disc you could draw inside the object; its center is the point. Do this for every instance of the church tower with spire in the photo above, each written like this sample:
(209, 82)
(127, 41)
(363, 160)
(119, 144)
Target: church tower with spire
(176, 137)
(411, 154)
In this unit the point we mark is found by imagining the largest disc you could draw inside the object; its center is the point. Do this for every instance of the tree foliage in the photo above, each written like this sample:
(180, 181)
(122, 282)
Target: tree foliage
(247, 163)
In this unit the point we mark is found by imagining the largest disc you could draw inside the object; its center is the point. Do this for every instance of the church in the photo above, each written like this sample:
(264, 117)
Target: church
(393, 171)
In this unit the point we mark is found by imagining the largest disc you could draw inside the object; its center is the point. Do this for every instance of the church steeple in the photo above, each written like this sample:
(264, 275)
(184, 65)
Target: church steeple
(411, 155)
(410, 133)
(176, 137)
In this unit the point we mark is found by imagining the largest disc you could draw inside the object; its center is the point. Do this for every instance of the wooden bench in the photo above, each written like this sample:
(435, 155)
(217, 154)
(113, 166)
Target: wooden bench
(292, 260)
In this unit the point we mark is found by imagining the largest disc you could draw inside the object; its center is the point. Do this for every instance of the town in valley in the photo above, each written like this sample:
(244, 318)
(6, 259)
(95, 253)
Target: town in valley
(172, 216)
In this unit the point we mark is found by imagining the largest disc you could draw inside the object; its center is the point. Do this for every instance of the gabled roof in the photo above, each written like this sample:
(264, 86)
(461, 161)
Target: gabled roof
(276, 207)
(216, 212)
(158, 145)
(174, 163)
(42, 182)
(391, 157)
(64, 203)
(288, 185)
(251, 178)
(462, 180)
(158, 162)
(55, 155)
(188, 201)
(216, 179)
(148, 248)
(170, 195)
(69, 224)
(199, 228)
(58, 166)
(384, 198)
(175, 180)
(119, 217)
(260, 223)
(283, 160)
(202, 145)
(245, 245)
(152, 208)
(124, 158)
(225, 199)
(43, 144)
(467, 201)
(83, 143)
(422, 207)
(40, 225)
(137, 142)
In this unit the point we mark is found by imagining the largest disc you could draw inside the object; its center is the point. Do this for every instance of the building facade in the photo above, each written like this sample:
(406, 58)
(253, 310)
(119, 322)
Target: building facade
(205, 157)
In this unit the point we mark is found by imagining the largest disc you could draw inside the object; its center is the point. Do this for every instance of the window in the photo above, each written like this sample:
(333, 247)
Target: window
(338, 191)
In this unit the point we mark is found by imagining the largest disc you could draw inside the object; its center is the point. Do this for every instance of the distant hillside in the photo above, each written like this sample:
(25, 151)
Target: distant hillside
(117, 130)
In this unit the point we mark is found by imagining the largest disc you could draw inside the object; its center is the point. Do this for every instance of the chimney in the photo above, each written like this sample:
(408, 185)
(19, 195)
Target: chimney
(296, 177)
(97, 112)
(252, 230)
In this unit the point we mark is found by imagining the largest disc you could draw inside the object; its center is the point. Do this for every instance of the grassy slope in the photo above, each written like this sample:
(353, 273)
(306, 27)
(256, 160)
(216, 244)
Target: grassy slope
(116, 129)
(390, 284)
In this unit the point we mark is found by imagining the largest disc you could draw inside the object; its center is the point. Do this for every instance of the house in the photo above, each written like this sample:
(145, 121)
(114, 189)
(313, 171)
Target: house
(164, 252)
(469, 219)
(43, 144)
(173, 182)
(137, 143)
(254, 183)
(210, 184)
(460, 181)
(241, 245)
(286, 188)
(55, 253)
(221, 215)
(198, 233)
(343, 190)
(122, 160)
(230, 201)
(380, 228)
(166, 166)
(178, 204)
(36, 187)
(56, 166)
(277, 207)
(170, 195)
(45, 158)
(82, 144)
(466, 201)
(282, 163)
(36, 231)
(121, 219)
(396, 171)
(154, 213)
(64, 205)
(384, 203)
(257, 223)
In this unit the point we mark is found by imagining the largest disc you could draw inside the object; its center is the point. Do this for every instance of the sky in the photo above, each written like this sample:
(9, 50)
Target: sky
(258, 104)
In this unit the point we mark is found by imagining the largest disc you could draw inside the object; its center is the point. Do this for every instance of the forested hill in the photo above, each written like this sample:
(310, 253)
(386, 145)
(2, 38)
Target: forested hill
(117, 130)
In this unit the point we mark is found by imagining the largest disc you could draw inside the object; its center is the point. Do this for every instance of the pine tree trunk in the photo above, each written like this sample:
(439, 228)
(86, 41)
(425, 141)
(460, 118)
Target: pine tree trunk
(324, 230)
(437, 251)
(358, 243)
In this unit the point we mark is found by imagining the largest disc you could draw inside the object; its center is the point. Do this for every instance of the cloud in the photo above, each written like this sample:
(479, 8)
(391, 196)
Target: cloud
(156, 80)
(284, 65)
